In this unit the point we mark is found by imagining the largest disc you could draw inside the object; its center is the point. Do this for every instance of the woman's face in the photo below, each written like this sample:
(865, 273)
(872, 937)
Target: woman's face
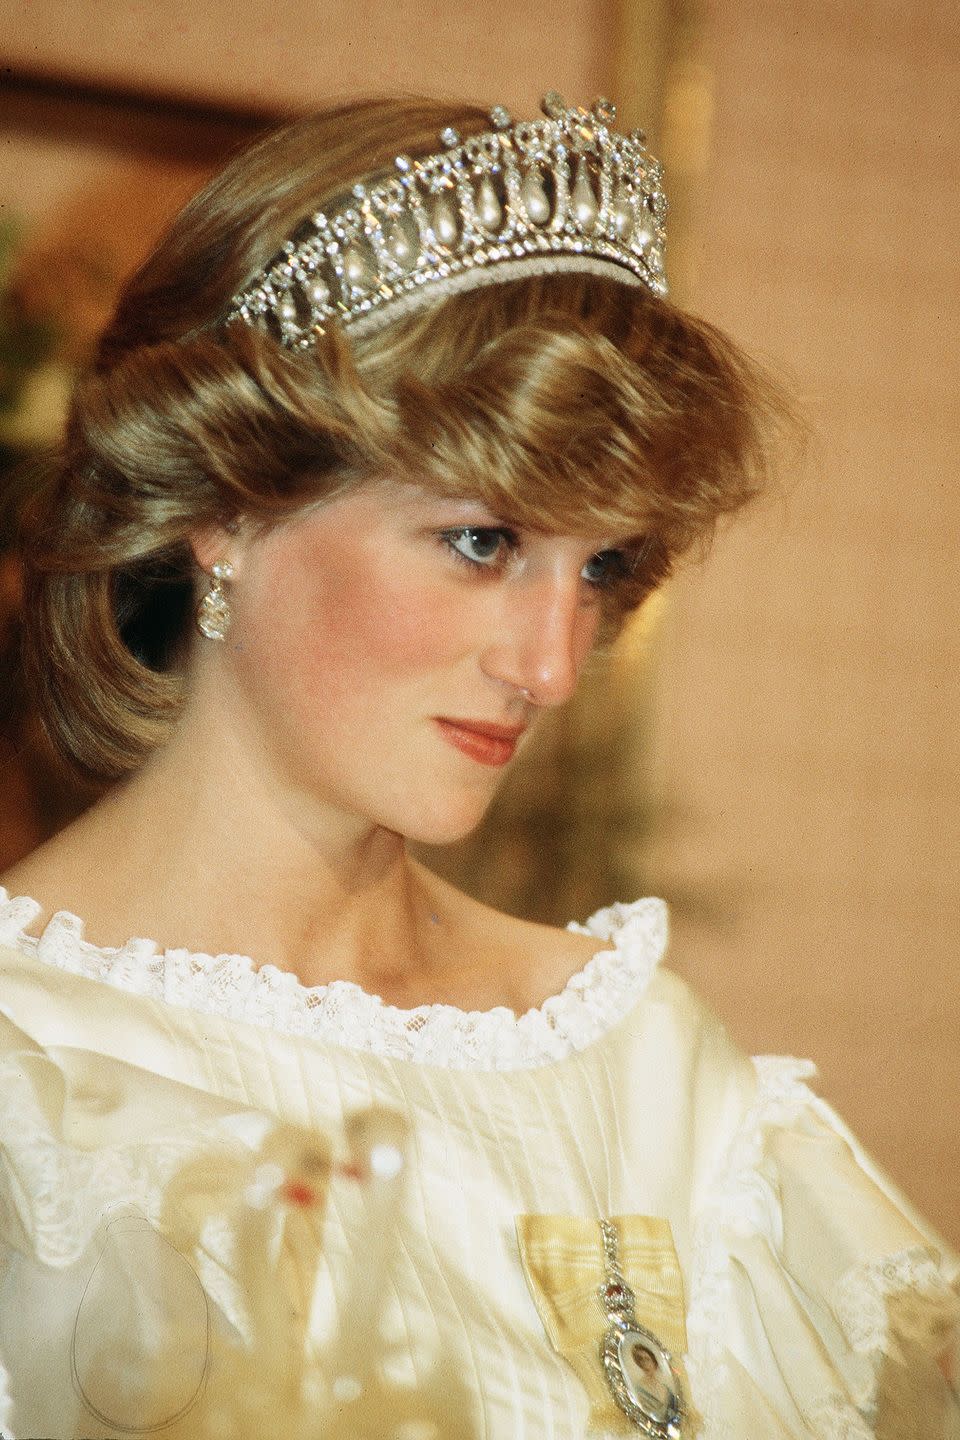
(373, 637)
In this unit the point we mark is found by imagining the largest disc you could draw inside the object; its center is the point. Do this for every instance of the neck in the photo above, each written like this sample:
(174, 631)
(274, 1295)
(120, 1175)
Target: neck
(211, 850)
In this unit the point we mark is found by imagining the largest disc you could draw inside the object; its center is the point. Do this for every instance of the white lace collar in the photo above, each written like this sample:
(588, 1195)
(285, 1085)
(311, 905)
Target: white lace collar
(343, 1014)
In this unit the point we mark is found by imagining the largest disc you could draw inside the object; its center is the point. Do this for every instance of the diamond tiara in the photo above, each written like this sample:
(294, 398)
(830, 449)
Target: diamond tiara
(564, 193)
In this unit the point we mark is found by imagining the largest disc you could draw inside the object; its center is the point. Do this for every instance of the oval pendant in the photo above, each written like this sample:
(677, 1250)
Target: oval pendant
(642, 1380)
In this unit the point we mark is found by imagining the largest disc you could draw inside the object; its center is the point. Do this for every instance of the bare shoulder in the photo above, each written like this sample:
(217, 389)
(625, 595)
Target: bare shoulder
(28, 876)
(59, 875)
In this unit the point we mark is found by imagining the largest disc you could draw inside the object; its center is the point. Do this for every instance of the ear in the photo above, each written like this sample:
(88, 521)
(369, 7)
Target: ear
(216, 541)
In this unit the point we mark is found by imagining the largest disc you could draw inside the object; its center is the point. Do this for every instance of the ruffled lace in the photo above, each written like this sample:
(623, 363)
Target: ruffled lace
(344, 1014)
(62, 1194)
(742, 1202)
(897, 1313)
(910, 1283)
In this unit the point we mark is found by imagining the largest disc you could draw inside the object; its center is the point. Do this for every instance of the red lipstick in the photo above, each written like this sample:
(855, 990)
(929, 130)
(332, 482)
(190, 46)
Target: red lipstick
(487, 744)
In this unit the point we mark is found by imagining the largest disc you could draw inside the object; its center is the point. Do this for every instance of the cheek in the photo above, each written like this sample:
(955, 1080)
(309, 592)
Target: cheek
(352, 628)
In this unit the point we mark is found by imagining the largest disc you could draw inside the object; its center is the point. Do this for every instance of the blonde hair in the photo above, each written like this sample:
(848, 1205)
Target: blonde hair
(568, 403)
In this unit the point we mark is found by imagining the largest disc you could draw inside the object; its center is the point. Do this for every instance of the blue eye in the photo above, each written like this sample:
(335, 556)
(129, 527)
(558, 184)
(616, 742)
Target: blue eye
(488, 547)
(607, 568)
(479, 545)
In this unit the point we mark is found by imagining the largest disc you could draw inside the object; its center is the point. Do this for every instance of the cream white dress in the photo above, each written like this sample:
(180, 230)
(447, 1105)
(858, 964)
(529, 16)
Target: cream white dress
(806, 1298)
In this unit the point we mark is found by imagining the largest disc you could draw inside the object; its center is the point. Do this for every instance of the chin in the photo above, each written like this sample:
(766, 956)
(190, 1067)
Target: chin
(444, 827)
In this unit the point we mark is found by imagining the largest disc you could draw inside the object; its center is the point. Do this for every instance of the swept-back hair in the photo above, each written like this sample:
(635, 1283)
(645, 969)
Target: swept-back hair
(568, 403)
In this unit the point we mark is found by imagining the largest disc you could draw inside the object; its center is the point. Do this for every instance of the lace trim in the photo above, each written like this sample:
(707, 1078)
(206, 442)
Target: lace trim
(743, 1202)
(62, 1194)
(899, 1302)
(908, 1288)
(343, 1014)
(836, 1419)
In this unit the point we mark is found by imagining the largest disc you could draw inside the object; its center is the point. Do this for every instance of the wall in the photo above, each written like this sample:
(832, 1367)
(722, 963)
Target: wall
(808, 713)
(291, 54)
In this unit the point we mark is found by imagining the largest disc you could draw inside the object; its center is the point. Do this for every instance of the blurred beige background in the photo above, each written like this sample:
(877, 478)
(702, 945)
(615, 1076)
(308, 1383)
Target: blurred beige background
(804, 685)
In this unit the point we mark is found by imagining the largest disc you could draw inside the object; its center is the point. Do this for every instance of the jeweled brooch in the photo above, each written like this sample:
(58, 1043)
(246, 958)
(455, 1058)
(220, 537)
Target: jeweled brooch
(639, 1370)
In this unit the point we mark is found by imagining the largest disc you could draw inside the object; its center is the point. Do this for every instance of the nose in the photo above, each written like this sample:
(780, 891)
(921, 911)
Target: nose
(543, 635)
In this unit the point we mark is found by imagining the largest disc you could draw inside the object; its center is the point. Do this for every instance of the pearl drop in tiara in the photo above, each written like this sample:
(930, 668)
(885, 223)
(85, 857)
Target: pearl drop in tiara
(567, 192)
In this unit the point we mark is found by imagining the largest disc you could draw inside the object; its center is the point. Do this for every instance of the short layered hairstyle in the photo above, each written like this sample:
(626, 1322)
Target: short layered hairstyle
(567, 403)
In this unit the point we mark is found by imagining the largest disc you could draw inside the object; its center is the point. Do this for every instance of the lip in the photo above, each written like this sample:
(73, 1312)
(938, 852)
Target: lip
(484, 742)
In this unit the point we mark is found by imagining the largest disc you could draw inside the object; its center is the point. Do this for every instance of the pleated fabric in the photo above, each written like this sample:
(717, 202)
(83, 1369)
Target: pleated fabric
(810, 1298)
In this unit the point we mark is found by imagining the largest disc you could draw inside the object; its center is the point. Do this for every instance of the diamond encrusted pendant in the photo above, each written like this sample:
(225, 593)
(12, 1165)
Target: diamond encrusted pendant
(213, 615)
(638, 1368)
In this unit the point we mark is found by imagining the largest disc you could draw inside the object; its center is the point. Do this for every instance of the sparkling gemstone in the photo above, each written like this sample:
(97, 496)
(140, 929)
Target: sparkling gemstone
(553, 104)
(443, 221)
(534, 197)
(640, 136)
(287, 310)
(359, 192)
(583, 202)
(317, 293)
(489, 209)
(500, 118)
(604, 110)
(449, 137)
(213, 617)
(403, 163)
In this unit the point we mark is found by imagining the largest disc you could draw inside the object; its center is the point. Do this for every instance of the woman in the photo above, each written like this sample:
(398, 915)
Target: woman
(406, 426)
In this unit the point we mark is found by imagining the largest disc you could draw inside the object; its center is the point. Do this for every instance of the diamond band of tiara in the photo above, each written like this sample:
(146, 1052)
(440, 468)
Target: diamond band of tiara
(564, 193)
